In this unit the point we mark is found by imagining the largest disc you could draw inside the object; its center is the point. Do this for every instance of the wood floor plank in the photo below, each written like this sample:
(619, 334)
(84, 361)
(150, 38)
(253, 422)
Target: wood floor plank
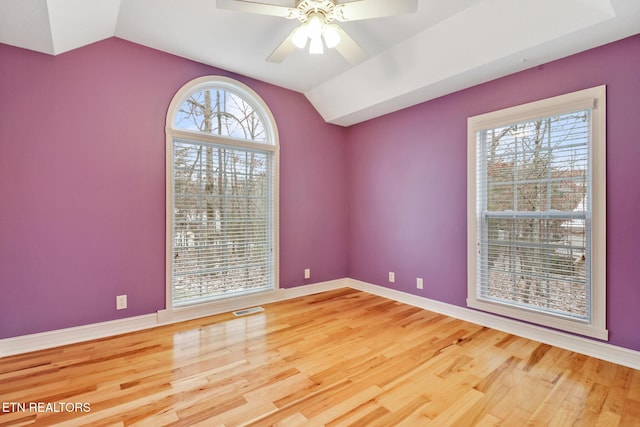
(630, 413)
(337, 358)
(634, 386)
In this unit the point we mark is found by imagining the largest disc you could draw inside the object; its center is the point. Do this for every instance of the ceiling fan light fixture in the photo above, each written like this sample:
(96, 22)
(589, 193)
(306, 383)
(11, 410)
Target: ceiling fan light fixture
(317, 18)
(331, 36)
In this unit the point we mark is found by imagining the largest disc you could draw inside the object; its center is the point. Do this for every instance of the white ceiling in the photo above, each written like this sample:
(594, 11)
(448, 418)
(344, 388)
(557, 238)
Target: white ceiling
(446, 46)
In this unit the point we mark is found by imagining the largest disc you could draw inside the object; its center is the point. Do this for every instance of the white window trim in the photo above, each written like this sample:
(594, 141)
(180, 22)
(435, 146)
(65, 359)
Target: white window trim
(593, 97)
(271, 144)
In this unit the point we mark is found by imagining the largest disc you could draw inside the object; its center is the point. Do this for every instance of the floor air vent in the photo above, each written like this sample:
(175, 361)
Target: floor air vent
(246, 311)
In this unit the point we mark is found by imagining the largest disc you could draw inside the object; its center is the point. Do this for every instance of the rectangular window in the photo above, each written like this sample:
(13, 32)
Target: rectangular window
(222, 226)
(536, 212)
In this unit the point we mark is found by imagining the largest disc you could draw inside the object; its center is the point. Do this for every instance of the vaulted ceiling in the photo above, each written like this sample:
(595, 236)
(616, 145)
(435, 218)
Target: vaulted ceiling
(445, 46)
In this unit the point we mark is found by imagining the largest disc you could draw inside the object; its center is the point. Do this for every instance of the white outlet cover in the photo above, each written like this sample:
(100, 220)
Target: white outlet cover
(121, 302)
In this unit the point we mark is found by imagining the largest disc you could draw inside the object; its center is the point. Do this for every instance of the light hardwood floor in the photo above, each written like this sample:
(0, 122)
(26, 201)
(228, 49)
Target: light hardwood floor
(338, 358)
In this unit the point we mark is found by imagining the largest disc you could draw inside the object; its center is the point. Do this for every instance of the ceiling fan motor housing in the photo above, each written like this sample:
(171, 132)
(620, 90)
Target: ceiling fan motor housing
(307, 8)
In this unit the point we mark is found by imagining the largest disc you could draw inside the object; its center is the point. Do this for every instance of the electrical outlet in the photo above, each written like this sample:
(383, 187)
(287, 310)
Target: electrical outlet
(307, 273)
(392, 277)
(121, 302)
(419, 283)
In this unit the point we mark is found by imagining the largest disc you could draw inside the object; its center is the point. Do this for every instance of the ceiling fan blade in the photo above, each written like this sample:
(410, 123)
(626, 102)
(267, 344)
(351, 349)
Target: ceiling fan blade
(259, 8)
(282, 51)
(368, 9)
(348, 48)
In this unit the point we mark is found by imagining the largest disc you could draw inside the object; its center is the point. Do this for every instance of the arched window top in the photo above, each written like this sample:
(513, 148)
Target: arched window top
(222, 107)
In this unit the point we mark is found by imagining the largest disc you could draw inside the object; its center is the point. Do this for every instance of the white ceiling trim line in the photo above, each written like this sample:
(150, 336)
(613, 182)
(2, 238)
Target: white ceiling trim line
(423, 67)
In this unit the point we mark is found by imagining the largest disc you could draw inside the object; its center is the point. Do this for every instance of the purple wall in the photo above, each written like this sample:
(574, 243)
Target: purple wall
(82, 183)
(407, 182)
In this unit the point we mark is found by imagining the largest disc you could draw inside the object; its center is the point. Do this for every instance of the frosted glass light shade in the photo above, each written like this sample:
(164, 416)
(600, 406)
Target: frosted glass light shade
(315, 25)
(299, 37)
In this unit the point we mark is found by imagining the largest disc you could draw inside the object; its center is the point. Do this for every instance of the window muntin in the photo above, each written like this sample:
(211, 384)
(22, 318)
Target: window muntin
(531, 247)
(222, 189)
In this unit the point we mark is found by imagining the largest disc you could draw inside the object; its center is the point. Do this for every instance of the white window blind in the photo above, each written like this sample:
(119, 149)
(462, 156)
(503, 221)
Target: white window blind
(534, 190)
(536, 216)
(222, 237)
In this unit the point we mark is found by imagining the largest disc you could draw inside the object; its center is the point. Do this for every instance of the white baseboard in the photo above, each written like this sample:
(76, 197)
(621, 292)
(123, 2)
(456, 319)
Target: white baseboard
(227, 305)
(60, 337)
(40, 341)
(589, 347)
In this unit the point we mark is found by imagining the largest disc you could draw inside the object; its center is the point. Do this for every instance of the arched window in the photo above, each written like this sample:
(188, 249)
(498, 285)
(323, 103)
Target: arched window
(222, 173)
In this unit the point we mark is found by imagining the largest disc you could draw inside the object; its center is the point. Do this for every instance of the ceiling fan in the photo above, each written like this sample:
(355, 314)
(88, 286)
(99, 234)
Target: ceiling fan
(317, 23)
